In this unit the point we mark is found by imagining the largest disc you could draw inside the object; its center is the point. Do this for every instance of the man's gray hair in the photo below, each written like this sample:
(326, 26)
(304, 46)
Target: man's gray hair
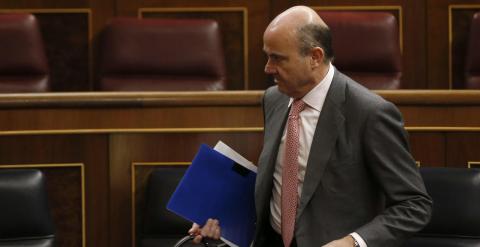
(315, 35)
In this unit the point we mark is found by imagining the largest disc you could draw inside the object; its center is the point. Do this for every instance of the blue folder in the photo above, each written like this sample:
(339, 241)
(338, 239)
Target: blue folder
(214, 186)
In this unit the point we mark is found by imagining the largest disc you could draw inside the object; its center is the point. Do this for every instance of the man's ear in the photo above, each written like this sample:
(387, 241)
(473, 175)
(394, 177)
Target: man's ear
(317, 57)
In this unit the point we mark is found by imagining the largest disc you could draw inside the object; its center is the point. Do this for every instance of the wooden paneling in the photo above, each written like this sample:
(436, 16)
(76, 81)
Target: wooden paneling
(438, 46)
(127, 149)
(65, 183)
(109, 132)
(462, 148)
(87, 112)
(460, 17)
(429, 60)
(414, 64)
(428, 148)
(67, 38)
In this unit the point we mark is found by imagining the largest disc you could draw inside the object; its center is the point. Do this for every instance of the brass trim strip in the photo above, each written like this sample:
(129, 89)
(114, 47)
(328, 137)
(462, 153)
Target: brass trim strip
(42, 165)
(473, 164)
(133, 165)
(442, 129)
(137, 99)
(134, 130)
(84, 224)
(87, 11)
(450, 98)
(174, 163)
(251, 98)
(244, 10)
(452, 7)
(206, 130)
(47, 11)
(367, 7)
(82, 184)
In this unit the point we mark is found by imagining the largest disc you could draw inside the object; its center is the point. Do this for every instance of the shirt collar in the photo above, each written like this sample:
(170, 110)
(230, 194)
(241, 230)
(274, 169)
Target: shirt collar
(315, 97)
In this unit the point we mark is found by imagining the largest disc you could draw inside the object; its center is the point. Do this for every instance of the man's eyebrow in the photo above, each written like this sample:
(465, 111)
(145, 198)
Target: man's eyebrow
(274, 54)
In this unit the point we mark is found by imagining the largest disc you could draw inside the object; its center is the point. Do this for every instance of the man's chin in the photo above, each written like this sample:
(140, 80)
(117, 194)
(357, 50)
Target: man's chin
(282, 89)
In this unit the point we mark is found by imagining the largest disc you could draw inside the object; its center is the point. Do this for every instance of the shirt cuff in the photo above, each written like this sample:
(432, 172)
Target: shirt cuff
(359, 239)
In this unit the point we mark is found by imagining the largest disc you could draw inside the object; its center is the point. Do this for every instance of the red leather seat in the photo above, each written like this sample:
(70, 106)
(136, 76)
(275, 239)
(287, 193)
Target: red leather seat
(162, 55)
(366, 47)
(23, 63)
(472, 69)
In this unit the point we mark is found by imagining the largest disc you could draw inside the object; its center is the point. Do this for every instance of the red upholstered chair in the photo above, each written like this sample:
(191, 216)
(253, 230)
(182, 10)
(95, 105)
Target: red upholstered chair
(162, 55)
(366, 47)
(472, 69)
(23, 63)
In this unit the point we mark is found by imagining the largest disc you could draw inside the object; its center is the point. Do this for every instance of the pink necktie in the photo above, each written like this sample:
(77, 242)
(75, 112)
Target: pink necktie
(289, 173)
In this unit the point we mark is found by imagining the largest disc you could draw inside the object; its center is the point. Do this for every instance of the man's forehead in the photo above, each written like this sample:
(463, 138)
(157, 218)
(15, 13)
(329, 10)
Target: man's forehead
(278, 41)
(267, 50)
(271, 51)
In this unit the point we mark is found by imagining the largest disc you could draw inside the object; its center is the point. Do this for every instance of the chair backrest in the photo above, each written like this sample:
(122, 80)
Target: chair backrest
(23, 63)
(472, 69)
(24, 213)
(455, 220)
(160, 226)
(366, 47)
(162, 55)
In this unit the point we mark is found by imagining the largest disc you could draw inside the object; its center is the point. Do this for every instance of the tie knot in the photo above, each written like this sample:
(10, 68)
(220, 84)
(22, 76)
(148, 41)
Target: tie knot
(297, 107)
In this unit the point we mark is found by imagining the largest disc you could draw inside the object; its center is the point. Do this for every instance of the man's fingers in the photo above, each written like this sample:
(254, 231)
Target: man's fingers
(206, 228)
(198, 239)
(195, 229)
(217, 233)
(216, 229)
(211, 229)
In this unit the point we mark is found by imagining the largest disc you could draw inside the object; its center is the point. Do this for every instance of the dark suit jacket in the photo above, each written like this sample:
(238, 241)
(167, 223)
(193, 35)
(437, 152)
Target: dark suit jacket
(360, 174)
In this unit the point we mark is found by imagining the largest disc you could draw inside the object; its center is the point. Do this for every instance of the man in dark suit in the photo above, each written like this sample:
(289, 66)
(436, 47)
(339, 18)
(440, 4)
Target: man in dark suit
(342, 149)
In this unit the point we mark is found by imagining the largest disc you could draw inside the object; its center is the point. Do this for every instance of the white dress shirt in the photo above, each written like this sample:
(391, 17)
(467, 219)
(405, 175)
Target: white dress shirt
(308, 122)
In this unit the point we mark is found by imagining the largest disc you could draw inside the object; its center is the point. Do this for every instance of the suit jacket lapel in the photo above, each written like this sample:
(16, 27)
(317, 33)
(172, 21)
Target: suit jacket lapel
(331, 120)
(275, 130)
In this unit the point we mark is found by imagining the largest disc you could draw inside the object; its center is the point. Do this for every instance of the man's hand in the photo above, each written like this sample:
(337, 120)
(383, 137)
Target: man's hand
(211, 229)
(343, 242)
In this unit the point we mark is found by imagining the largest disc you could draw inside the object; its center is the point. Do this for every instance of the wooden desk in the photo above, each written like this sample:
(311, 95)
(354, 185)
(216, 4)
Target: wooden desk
(97, 149)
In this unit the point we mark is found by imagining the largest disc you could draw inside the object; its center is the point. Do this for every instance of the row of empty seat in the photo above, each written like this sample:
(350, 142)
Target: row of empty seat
(455, 220)
(182, 55)
(27, 221)
(23, 63)
(162, 54)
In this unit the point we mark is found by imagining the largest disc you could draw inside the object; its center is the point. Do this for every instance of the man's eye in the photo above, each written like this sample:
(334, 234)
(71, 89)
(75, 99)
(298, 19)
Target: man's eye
(274, 57)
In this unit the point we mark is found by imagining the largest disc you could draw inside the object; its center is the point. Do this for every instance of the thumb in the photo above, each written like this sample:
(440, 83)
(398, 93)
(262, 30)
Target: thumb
(195, 229)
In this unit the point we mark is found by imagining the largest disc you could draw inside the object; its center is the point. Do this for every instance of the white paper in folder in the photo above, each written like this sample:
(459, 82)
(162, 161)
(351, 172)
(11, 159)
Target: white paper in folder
(232, 154)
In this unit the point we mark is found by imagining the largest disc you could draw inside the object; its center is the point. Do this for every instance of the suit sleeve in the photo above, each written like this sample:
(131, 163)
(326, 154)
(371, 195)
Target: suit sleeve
(407, 205)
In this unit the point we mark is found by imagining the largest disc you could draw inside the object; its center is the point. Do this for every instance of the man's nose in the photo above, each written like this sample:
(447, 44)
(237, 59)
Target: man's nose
(269, 68)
